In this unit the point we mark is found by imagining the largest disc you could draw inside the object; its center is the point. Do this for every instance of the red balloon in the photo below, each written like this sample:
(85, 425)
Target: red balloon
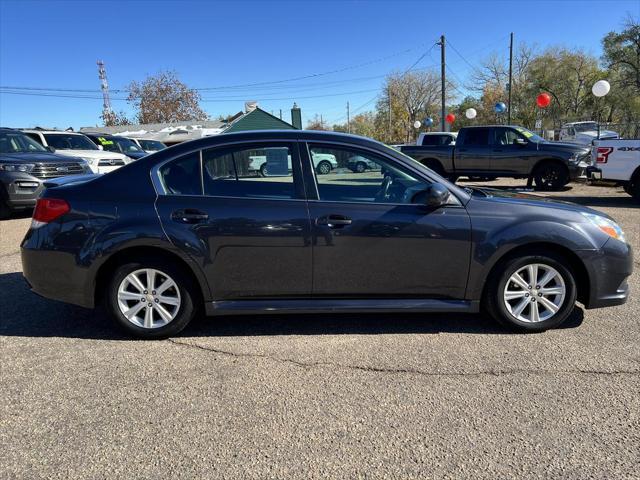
(543, 100)
(450, 118)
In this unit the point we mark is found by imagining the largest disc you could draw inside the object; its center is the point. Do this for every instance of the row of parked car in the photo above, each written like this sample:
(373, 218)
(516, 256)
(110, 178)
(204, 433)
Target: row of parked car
(29, 157)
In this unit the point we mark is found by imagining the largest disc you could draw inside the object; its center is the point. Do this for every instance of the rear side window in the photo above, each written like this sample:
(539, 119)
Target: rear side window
(476, 136)
(182, 176)
(436, 140)
(260, 172)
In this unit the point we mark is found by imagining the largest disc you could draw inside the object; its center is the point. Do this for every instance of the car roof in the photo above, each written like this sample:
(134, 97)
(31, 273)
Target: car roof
(59, 132)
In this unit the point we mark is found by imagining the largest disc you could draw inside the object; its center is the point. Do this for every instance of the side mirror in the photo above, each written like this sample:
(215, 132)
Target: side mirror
(51, 149)
(100, 147)
(520, 141)
(437, 195)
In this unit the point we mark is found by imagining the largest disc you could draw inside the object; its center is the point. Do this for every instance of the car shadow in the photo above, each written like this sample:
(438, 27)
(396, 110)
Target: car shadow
(24, 314)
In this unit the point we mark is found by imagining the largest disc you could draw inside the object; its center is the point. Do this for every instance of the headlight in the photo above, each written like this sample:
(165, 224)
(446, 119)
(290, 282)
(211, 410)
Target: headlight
(16, 167)
(609, 227)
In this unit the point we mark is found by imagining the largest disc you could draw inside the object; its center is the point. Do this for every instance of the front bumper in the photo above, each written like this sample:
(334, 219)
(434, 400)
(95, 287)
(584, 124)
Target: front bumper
(578, 171)
(20, 190)
(608, 270)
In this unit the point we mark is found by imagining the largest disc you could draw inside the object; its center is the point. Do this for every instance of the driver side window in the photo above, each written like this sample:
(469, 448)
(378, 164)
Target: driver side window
(361, 176)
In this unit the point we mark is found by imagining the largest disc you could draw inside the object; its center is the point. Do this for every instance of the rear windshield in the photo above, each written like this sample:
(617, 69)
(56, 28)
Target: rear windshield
(60, 141)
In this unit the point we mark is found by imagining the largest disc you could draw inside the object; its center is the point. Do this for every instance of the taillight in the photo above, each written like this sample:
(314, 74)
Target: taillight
(48, 209)
(603, 154)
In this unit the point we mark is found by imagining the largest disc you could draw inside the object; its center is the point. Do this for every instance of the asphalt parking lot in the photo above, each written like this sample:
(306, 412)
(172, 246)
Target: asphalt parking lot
(402, 396)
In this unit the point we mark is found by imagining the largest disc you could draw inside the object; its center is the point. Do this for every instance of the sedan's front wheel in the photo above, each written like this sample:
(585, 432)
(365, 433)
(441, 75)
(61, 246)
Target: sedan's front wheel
(151, 299)
(532, 293)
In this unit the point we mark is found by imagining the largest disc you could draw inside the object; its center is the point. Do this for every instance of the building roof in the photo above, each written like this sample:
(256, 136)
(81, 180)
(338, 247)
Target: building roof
(177, 132)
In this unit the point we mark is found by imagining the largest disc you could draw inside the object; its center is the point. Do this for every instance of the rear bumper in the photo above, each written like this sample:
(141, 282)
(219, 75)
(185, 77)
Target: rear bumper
(608, 270)
(594, 173)
(56, 275)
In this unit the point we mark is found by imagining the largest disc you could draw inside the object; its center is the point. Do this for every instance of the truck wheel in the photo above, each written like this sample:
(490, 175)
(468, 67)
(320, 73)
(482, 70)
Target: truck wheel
(360, 167)
(550, 176)
(5, 211)
(263, 170)
(436, 166)
(532, 293)
(634, 189)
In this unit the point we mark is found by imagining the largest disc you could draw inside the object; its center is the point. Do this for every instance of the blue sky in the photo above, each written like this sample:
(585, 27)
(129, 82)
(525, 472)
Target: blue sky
(55, 44)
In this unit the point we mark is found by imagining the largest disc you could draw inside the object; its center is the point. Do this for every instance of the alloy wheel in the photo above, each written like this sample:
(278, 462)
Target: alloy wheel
(534, 293)
(149, 298)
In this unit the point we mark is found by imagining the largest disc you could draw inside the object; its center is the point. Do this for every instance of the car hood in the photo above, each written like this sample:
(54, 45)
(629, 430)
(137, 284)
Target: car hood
(94, 154)
(30, 157)
(566, 147)
(520, 198)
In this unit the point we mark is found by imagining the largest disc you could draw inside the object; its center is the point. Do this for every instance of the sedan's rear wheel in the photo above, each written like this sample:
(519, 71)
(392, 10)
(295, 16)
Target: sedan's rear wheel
(151, 299)
(532, 293)
(360, 167)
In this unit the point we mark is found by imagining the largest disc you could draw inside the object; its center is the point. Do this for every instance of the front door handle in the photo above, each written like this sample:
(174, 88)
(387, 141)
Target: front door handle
(189, 215)
(333, 221)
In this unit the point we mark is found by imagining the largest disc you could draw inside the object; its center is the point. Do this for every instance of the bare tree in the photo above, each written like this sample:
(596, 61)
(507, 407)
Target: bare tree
(164, 98)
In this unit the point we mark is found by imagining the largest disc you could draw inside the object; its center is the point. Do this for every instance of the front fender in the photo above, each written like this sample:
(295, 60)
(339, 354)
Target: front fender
(491, 244)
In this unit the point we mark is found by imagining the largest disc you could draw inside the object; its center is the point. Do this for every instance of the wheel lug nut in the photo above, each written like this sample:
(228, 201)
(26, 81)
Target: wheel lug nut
(142, 300)
(157, 301)
(530, 287)
(539, 294)
(526, 294)
(537, 287)
(153, 293)
(146, 291)
(151, 305)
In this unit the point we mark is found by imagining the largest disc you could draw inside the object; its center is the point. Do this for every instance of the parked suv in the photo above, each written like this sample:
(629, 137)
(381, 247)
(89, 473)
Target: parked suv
(24, 166)
(116, 144)
(149, 146)
(192, 229)
(75, 145)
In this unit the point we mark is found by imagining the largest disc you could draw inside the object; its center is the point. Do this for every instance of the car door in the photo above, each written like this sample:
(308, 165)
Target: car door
(473, 151)
(510, 157)
(374, 237)
(249, 233)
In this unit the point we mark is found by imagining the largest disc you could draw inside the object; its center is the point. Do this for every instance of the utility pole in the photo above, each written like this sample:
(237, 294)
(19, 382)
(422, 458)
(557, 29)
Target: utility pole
(107, 113)
(321, 122)
(443, 79)
(348, 119)
(280, 114)
(389, 113)
(510, 78)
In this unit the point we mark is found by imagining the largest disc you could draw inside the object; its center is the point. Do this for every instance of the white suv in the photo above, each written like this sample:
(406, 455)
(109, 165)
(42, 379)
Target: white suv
(77, 145)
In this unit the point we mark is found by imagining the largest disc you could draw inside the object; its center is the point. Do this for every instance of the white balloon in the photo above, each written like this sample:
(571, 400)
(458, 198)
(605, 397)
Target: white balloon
(601, 88)
(470, 113)
(417, 124)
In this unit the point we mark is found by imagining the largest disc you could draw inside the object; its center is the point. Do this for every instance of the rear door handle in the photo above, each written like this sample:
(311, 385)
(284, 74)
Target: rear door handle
(189, 215)
(333, 221)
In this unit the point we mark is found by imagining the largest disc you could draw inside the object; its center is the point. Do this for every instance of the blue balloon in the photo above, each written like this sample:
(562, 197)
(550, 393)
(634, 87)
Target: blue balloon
(500, 107)
(428, 122)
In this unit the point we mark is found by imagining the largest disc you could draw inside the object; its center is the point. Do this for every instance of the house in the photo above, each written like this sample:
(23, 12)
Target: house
(253, 118)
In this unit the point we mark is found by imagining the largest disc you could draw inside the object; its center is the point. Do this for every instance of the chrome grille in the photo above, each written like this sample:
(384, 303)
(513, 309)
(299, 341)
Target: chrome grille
(111, 162)
(58, 169)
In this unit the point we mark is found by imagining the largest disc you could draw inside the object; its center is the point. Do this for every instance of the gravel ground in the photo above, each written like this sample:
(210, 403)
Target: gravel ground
(377, 396)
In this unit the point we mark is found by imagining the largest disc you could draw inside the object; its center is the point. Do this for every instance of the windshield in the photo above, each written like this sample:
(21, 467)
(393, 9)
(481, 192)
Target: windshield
(16, 142)
(529, 135)
(127, 146)
(152, 145)
(586, 127)
(61, 141)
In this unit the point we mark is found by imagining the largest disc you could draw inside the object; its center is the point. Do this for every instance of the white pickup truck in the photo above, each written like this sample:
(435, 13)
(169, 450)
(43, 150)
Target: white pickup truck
(619, 161)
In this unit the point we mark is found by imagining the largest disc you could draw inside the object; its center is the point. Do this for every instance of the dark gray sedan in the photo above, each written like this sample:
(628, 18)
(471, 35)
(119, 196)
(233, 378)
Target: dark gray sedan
(194, 228)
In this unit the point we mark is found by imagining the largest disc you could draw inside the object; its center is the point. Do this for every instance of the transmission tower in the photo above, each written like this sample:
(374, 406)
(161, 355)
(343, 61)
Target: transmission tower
(106, 102)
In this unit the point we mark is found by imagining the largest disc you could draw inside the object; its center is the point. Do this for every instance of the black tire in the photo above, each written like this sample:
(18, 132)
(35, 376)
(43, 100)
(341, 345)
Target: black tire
(494, 301)
(323, 168)
(187, 293)
(263, 170)
(5, 210)
(550, 176)
(633, 187)
(361, 167)
(436, 166)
